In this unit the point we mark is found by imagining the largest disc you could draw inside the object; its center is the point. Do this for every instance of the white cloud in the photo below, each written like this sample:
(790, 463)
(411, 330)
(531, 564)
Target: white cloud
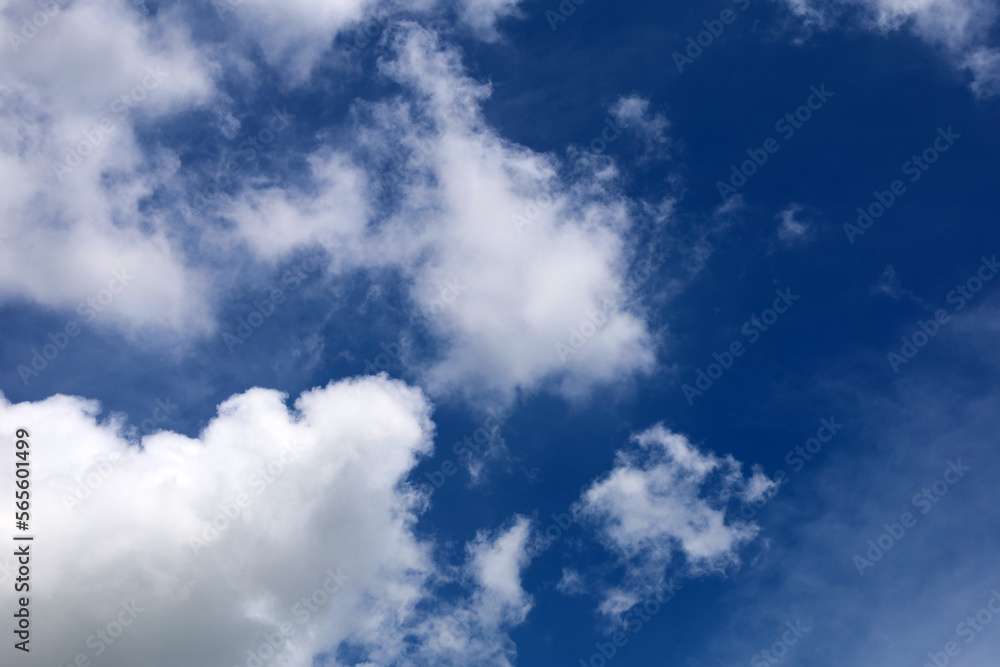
(633, 112)
(537, 253)
(482, 15)
(890, 286)
(937, 574)
(496, 566)
(471, 631)
(571, 583)
(984, 64)
(953, 24)
(534, 256)
(666, 500)
(299, 499)
(293, 35)
(324, 489)
(960, 27)
(273, 221)
(793, 229)
(296, 36)
(541, 256)
(73, 95)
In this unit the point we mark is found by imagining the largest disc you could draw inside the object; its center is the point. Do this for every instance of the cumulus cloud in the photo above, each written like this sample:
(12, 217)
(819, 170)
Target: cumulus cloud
(666, 501)
(473, 630)
(540, 256)
(531, 256)
(960, 27)
(276, 527)
(535, 259)
(77, 81)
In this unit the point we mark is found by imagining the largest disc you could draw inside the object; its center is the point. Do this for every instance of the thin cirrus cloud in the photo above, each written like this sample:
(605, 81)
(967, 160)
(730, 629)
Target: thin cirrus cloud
(810, 572)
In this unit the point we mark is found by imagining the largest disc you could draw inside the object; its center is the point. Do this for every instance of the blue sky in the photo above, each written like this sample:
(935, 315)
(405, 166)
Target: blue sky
(355, 332)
